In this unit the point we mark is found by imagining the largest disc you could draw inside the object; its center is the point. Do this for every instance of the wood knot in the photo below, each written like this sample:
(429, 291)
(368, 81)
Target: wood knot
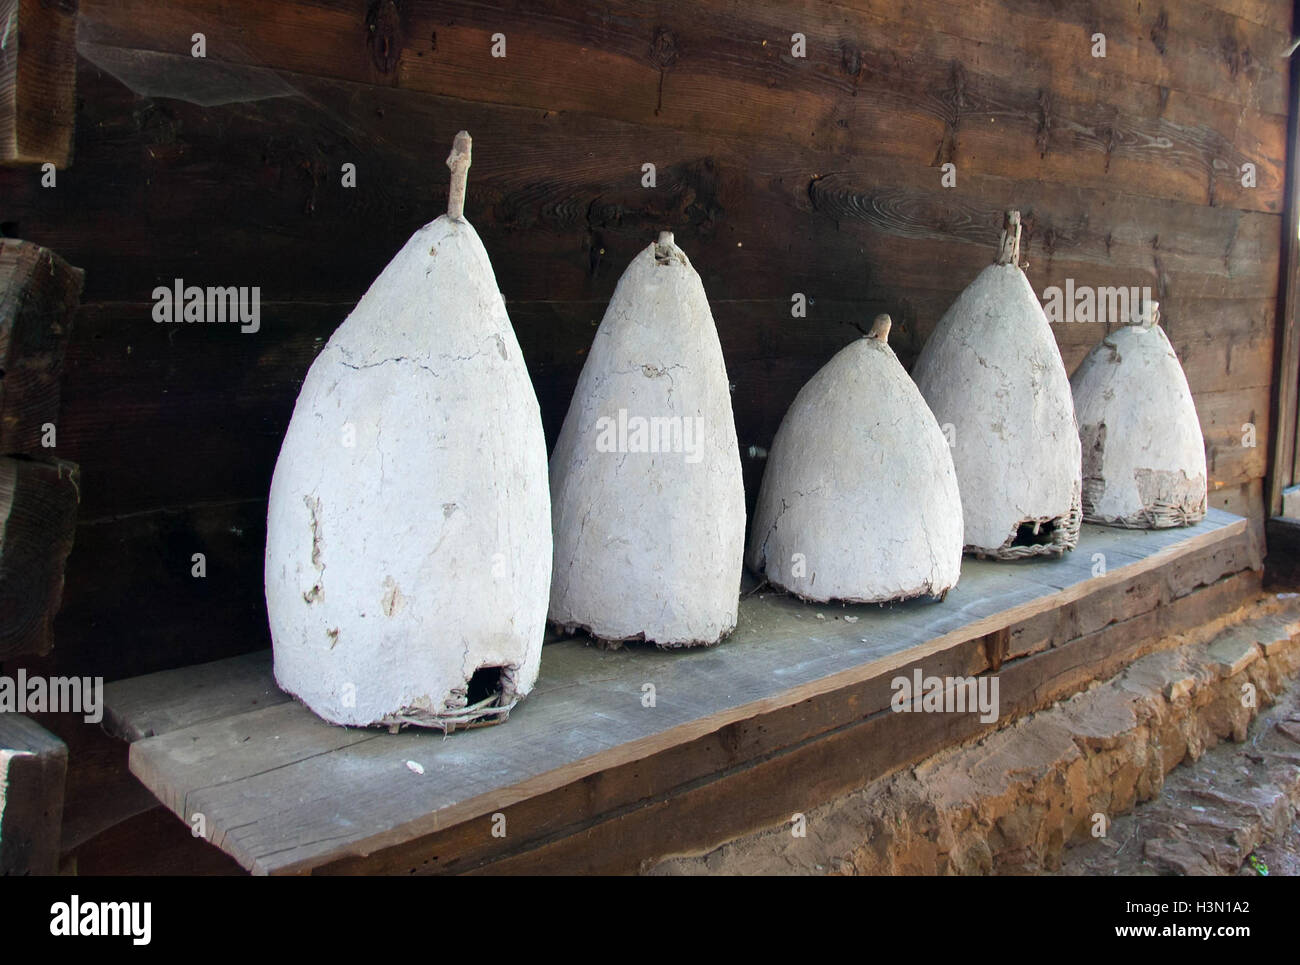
(1235, 57)
(663, 48)
(384, 35)
(1043, 137)
(1160, 32)
(850, 60)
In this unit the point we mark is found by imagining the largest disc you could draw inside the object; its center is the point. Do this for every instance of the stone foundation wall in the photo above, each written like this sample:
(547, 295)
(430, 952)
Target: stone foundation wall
(1012, 802)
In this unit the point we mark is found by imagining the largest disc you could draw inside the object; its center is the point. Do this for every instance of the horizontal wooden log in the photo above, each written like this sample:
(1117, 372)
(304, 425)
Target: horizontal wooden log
(38, 81)
(1266, 12)
(1246, 500)
(191, 618)
(173, 394)
(561, 227)
(38, 513)
(33, 767)
(1234, 452)
(39, 292)
(918, 80)
(1224, 54)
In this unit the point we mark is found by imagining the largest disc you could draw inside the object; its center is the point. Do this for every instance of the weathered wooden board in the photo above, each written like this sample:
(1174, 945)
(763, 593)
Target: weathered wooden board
(166, 701)
(1284, 466)
(917, 78)
(38, 515)
(755, 203)
(39, 292)
(282, 791)
(38, 81)
(164, 388)
(122, 567)
(33, 766)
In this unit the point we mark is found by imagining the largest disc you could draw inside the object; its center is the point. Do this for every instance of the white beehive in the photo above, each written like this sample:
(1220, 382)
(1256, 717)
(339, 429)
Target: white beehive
(992, 371)
(647, 499)
(408, 534)
(1143, 452)
(859, 500)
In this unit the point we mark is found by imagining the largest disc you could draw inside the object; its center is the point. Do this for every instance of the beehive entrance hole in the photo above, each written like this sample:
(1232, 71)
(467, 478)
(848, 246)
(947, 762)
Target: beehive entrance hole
(1035, 533)
(486, 682)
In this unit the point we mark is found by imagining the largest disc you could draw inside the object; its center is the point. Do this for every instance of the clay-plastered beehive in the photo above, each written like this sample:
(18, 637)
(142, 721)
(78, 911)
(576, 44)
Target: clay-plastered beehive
(648, 503)
(1143, 452)
(408, 532)
(859, 500)
(992, 371)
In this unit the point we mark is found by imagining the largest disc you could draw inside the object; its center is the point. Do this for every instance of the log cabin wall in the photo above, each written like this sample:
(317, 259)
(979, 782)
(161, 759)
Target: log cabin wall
(780, 174)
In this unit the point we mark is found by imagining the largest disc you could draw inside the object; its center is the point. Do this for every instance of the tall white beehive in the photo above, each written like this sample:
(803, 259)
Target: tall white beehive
(647, 499)
(408, 547)
(992, 372)
(1143, 452)
(859, 500)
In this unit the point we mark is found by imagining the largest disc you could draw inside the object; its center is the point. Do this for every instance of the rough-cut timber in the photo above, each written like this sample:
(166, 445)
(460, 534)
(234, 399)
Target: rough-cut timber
(38, 80)
(859, 500)
(408, 546)
(33, 767)
(39, 292)
(38, 515)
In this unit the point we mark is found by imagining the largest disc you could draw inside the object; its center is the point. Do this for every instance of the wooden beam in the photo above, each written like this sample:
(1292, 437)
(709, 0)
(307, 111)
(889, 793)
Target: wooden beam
(39, 292)
(555, 834)
(33, 768)
(1286, 372)
(584, 748)
(38, 81)
(38, 515)
(916, 75)
(697, 818)
(173, 699)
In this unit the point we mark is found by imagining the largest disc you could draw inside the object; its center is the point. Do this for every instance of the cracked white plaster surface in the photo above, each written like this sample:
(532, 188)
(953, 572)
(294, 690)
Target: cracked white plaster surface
(399, 565)
(993, 371)
(649, 544)
(1143, 451)
(859, 499)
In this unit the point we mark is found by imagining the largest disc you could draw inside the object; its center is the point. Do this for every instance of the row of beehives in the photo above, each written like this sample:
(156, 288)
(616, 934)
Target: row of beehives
(416, 546)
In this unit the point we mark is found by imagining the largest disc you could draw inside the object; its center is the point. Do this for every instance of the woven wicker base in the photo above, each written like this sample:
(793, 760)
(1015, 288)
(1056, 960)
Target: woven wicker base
(1161, 515)
(616, 643)
(1065, 536)
(493, 709)
(483, 714)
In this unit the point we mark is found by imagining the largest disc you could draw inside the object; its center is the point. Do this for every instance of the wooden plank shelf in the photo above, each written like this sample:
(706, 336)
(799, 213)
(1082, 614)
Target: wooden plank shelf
(790, 710)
